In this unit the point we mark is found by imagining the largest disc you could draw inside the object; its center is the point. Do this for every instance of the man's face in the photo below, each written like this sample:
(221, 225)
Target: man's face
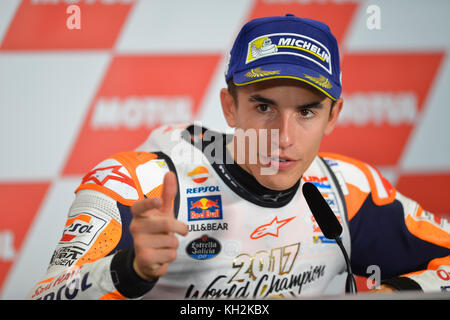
(297, 112)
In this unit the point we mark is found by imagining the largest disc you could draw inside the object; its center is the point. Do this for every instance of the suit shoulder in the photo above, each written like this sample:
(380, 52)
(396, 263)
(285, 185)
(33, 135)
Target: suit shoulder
(127, 176)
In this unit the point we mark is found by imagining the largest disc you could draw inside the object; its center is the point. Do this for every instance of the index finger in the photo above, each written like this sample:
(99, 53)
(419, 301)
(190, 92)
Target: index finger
(139, 208)
(169, 193)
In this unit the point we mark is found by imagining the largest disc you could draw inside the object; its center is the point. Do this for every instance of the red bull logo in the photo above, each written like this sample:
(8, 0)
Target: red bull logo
(204, 208)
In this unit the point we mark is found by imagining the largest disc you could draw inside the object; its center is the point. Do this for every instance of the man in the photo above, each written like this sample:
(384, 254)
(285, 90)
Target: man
(197, 214)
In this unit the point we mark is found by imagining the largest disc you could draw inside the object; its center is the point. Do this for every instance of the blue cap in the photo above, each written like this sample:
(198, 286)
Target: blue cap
(286, 47)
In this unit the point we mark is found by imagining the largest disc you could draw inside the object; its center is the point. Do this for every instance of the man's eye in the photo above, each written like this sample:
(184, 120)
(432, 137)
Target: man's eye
(306, 113)
(263, 108)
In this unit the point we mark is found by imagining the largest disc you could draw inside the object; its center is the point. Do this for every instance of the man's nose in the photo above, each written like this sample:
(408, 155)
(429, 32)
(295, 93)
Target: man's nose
(286, 133)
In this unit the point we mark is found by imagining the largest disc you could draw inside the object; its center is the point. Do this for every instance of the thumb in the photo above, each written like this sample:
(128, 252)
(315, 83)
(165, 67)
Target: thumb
(169, 192)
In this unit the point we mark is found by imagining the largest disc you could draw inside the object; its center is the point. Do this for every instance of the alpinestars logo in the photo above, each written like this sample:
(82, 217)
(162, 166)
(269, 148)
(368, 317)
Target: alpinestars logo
(101, 175)
(271, 228)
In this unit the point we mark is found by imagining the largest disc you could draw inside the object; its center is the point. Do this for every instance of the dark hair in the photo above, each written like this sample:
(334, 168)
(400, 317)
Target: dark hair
(232, 89)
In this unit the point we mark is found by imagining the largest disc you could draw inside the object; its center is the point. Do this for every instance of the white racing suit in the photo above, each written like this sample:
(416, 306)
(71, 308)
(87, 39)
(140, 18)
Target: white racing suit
(244, 240)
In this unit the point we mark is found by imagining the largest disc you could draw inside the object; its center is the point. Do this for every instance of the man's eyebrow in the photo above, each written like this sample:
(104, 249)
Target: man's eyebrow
(315, 105)
(259, 98)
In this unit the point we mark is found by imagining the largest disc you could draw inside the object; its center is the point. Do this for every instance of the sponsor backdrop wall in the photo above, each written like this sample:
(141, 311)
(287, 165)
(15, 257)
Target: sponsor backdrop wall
(83, 79)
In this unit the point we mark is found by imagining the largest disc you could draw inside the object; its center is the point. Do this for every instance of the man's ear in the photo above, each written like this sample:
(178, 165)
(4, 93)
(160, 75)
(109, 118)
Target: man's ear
(228, 107)
(334, 115)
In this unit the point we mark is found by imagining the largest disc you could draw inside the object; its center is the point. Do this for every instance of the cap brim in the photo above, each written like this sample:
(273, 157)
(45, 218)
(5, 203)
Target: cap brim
(288, 71)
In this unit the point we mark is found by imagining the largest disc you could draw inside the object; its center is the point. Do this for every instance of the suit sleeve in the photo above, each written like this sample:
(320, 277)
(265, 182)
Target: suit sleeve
(407, 244)
(93, 259)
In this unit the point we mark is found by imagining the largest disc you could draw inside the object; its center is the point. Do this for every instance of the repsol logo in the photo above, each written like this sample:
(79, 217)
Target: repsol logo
(202, 189)
(69, 291)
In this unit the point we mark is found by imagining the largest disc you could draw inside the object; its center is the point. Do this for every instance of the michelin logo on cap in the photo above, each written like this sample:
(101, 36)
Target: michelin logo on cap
(292, 44)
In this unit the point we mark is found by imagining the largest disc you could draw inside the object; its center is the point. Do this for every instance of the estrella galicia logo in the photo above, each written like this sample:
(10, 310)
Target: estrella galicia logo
(204, 208)
(203, 248)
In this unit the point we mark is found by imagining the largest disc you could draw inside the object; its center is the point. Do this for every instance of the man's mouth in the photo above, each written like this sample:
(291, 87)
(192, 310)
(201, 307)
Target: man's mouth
(271, 160)
(278, 159)
(272, 165)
